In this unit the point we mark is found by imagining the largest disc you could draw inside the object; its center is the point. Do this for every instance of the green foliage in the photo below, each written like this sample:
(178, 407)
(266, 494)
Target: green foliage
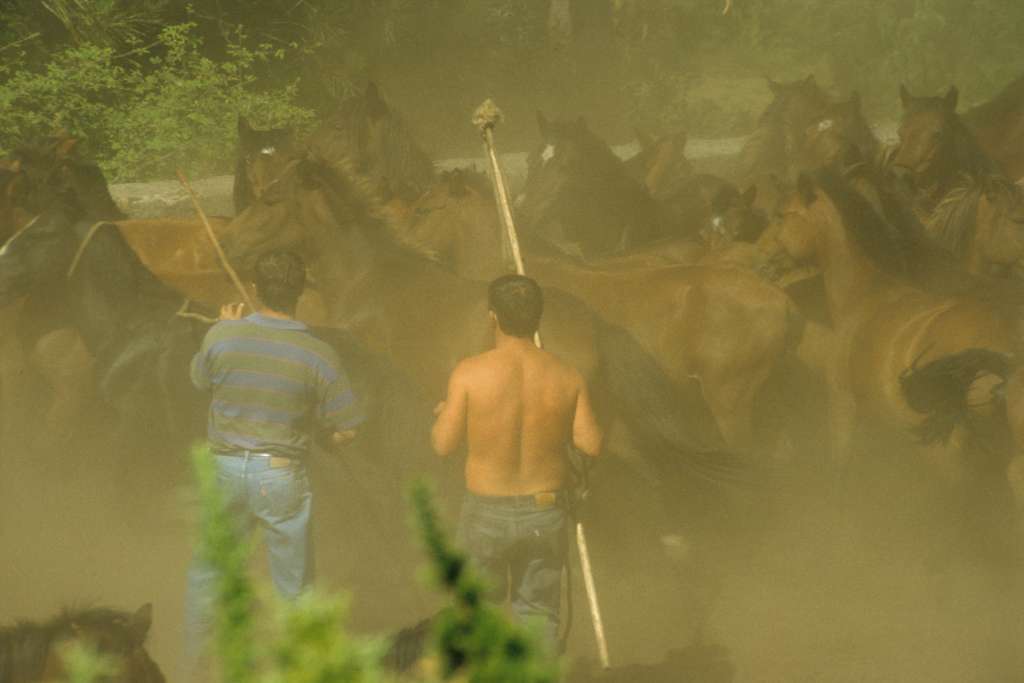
(314, 648)
(84, 665)
(175, 109)
(156, 84)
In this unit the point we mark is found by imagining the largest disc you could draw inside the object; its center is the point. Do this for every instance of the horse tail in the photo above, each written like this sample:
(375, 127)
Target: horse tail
(939, 390)
(673, 424)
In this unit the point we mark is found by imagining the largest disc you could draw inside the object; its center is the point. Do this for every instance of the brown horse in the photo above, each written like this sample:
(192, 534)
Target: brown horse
(936, 148)
(981, 224)
(779, 136)
(34, 653)
(999, 127)
(687, 319)
(840, 132)
(581, 196)
(883, 325)
(375, 138)
(254, 147)
(425, 319)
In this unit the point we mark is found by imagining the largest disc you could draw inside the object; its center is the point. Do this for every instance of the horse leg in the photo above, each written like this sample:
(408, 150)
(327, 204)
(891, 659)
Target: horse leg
(1014, 394)
(61, 358)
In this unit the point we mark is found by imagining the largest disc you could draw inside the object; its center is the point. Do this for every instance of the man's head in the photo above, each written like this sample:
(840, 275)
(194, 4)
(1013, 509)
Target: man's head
(517, 302)
(280, 279)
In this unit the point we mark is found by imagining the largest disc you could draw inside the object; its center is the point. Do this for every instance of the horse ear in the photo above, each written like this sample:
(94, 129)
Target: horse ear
(543, 125)
(243, 126)
(65, 147)
(951, 97)
(805, 188)
(643, 138)
(774, 86)
(141, 621)
(581, 123)
(810, 81)
(905, 97)
(749, 196)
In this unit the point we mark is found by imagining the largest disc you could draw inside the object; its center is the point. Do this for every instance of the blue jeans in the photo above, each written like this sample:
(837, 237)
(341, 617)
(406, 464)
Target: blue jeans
(520, 546)
(279, 501)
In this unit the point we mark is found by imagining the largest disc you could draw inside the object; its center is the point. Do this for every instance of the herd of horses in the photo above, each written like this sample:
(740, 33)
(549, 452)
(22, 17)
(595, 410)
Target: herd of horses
(884, 278)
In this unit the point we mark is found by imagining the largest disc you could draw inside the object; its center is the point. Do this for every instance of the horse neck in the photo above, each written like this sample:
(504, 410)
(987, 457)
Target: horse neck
(848, 273)
(996, 242)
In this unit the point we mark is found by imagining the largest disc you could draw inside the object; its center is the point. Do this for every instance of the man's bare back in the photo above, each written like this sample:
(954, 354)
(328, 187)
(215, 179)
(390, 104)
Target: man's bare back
(519, 408)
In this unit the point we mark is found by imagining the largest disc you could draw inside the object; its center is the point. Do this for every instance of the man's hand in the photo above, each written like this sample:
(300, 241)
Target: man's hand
(231, 311)
(341, 438)
(439, 408)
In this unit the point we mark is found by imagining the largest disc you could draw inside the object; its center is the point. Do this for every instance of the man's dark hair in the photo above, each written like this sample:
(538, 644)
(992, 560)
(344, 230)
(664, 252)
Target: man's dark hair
(518, 302)
(280, 279)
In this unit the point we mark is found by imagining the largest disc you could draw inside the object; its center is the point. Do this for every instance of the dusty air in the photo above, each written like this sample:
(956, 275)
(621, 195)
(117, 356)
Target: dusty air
(511, 340)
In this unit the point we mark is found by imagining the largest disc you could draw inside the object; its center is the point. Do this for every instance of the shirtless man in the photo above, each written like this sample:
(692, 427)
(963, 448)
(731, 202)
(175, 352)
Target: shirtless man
(519, 409)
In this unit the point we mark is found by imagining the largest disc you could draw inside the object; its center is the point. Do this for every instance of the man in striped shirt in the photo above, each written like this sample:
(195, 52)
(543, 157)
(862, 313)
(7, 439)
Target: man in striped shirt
(274, 386)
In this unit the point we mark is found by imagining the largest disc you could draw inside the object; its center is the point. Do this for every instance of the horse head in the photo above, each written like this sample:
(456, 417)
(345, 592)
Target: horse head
(310, 200)
(840, 131)
(119, 638)
(261, 155)
(997, 246)
(456, 220)
(928, 136)
(578, 192)
(54, 167)
(794, 107)
(734, 218)
(368, 132)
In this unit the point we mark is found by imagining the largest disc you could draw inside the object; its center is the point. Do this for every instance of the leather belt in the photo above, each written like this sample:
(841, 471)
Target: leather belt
(273, 461)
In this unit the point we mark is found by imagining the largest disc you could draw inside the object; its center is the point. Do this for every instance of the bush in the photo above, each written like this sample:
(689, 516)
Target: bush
(175, 108)
(474, 641)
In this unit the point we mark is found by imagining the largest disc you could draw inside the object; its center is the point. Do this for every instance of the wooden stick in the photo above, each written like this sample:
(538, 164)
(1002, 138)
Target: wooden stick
(216, 243)
(485, 118)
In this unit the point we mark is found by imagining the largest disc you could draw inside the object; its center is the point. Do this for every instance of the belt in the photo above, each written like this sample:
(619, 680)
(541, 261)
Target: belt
(274, 461)
(544, 499)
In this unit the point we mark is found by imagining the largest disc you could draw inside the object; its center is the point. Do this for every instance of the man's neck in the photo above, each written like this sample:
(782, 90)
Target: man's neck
(277, 315)
(506, 342)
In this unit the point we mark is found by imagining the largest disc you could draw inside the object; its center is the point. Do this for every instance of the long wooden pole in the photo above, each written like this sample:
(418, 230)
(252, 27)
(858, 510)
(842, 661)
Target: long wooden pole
(486, 118)
(216, 243)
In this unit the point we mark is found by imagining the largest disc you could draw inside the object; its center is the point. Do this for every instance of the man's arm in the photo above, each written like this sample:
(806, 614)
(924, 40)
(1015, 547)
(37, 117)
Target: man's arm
(587, 435)
(450, 425)
(340, 412)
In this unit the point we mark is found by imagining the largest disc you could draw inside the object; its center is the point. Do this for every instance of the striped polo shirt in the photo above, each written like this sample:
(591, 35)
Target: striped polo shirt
(273, 384)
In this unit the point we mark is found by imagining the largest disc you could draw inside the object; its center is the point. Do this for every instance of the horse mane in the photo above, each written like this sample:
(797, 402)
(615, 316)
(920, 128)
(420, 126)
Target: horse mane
(952, 224)
(476, 180)
(404, 160)
(353, 200)
(25, 646)
(968, 156)
(884, 243)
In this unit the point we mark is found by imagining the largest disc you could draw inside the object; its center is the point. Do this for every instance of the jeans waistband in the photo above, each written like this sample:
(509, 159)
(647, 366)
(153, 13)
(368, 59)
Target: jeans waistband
(542, 499)
(268, 459)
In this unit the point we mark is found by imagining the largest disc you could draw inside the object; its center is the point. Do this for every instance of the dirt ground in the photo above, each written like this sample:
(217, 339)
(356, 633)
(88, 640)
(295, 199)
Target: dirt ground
(787, 581)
